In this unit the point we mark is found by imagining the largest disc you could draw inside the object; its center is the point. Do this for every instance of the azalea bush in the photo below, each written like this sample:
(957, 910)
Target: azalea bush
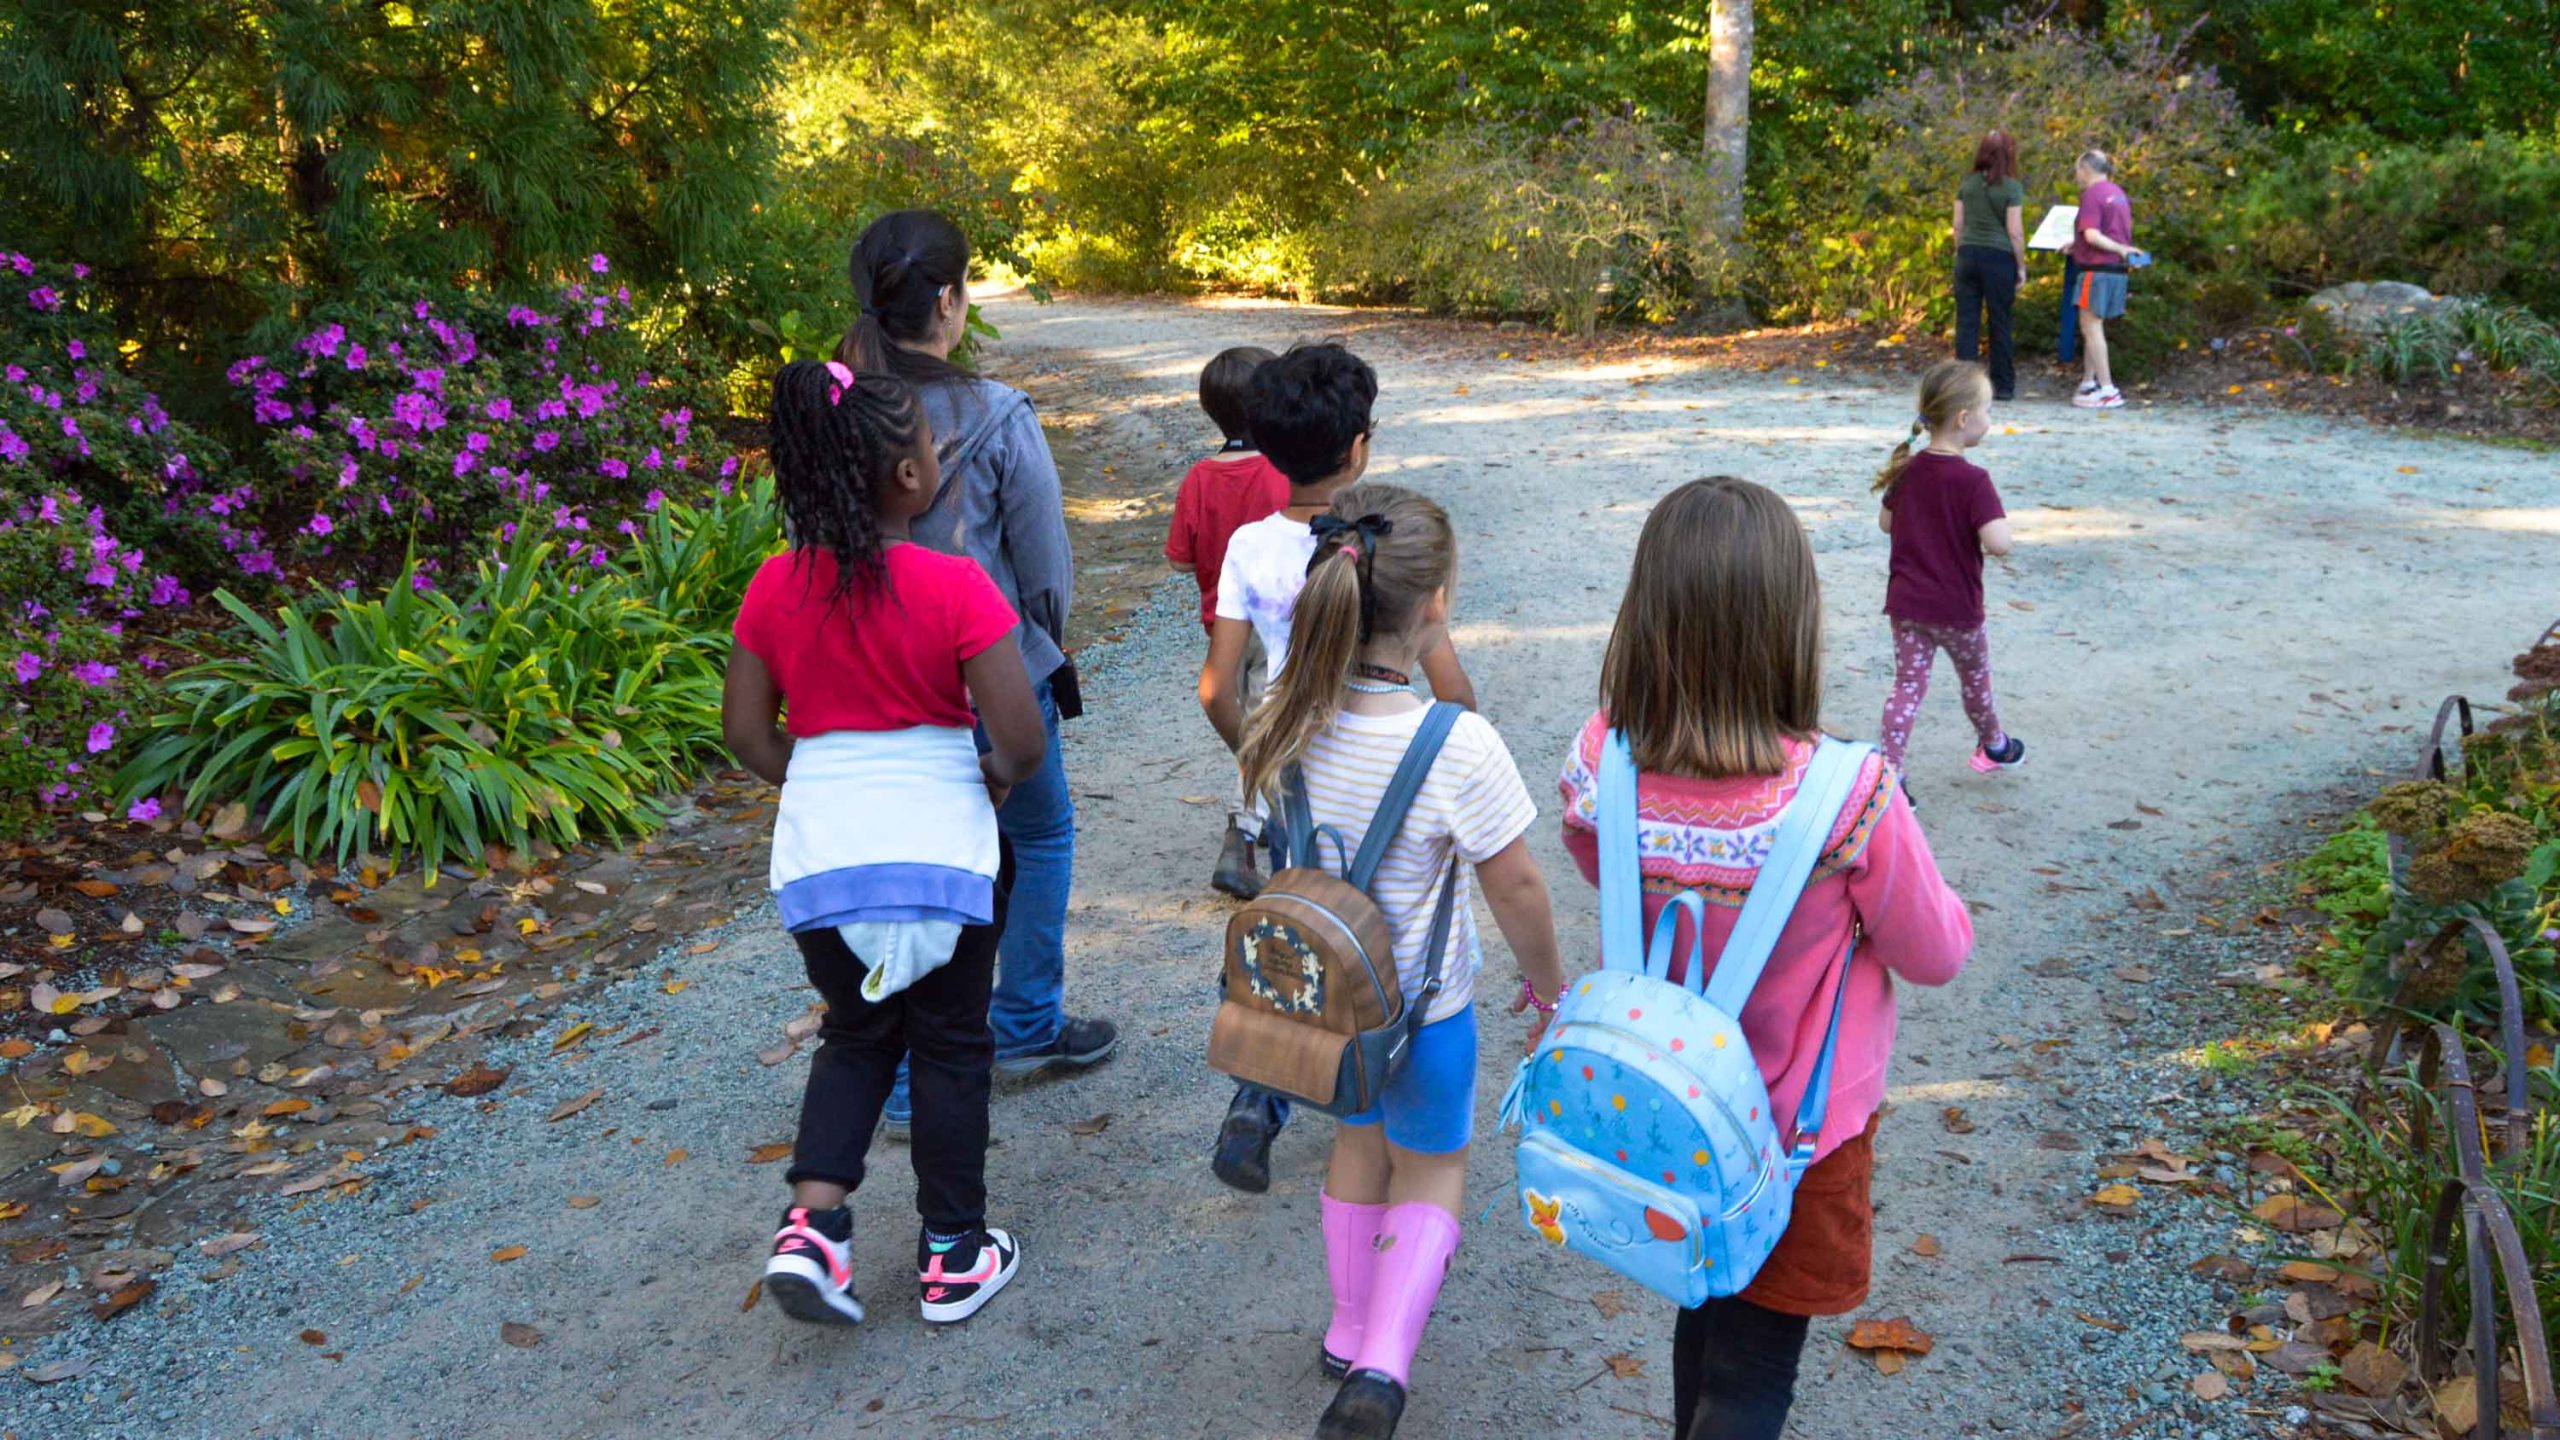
(91, 467)
(416, 427)
(548, 694)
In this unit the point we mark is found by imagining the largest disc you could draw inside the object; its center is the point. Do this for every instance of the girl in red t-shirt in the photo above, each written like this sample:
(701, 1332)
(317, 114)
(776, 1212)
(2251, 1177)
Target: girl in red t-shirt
(887, 864)
(1944, 516)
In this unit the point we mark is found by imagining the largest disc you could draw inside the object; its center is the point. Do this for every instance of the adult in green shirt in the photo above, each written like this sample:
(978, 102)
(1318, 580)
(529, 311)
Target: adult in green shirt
(1991, 257)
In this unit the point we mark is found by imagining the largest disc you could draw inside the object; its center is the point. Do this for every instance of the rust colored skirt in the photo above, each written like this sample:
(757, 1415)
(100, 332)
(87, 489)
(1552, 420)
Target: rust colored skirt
(1823, 1261)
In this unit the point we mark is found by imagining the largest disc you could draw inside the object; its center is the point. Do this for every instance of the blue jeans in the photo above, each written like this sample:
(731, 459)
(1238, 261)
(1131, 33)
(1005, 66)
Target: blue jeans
(1039, 820)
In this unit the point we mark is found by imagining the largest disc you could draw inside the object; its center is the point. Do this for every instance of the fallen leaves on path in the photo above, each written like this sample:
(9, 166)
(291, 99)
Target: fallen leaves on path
(505, 1253)
(59, 1371)
(2116, 1197)
(678, 1156)
(2293, 1214)
(755, 1292)
(567, 1108)
(1090, 1125)
(1611, 1303)
(1624, 1366)
(124, 1297)
(585, 1202)
(1955, 1120)
(314, 1337)
(767, 1154)
(1926, 1247)
(519, 1334)
(1893, 1342)
(2211, 1385)
(478, 1080)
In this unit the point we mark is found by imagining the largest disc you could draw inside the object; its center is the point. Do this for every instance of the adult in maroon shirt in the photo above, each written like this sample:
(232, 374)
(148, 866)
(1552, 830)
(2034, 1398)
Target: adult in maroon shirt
(2102, 244)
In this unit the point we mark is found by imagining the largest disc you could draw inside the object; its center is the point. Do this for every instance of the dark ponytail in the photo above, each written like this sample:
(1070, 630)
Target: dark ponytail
(901, 264)
(836, 436)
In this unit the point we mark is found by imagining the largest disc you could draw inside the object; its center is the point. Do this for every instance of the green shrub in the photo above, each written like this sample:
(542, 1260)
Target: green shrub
(1871, 238)
(549, 699)
(1607, 216)
(2477, 217)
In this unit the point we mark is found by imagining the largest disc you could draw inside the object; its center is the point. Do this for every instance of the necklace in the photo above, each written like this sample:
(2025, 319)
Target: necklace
(1367, 671)
(1357, 688)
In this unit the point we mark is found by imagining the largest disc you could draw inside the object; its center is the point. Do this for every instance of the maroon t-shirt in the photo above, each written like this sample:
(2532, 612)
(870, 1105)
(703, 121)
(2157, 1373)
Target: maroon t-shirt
(1939, 508)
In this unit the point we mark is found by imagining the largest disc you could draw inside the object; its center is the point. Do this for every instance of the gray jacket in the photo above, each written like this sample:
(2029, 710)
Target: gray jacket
(1000, 506)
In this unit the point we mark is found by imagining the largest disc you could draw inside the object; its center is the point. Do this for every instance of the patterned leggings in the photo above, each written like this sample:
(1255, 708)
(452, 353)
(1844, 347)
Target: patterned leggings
(1915, 647)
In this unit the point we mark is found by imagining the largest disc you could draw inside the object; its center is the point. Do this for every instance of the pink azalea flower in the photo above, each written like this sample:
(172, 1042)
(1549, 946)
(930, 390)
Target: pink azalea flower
(145, 811)
(102, 736)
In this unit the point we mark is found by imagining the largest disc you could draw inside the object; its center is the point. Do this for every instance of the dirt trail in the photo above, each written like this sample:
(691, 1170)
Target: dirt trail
(2196, 625)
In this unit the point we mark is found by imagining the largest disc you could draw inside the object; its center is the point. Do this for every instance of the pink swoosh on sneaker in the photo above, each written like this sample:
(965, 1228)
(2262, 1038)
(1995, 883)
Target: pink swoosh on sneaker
(796, 1235)
(979, 1274)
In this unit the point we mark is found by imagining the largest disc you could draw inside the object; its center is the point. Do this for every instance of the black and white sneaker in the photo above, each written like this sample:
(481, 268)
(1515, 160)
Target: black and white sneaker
(1081, 1042)
(956, 1278)
(810, 1273)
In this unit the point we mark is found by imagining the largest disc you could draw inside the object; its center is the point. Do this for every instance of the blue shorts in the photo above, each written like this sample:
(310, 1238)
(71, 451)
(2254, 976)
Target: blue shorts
(1429, 1106)
(2102, 292)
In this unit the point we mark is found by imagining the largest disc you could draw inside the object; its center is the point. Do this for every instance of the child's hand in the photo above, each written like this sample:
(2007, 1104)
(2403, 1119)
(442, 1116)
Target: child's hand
(997, 789)
(1537, 1020)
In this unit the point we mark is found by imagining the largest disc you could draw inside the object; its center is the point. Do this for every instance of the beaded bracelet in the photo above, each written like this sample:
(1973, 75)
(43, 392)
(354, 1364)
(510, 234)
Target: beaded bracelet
(1529, 997)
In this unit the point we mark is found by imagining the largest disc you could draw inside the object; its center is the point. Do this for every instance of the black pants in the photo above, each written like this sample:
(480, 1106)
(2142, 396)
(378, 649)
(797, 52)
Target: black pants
(1733, 1371)
(939, 1025)
(1987, 280)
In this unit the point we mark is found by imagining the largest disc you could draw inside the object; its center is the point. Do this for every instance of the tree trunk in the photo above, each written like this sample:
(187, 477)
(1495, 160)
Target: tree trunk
(1728, 128)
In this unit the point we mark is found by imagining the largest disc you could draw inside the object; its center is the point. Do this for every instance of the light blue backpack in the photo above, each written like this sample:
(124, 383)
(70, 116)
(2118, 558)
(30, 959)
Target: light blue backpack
(1649, 1145)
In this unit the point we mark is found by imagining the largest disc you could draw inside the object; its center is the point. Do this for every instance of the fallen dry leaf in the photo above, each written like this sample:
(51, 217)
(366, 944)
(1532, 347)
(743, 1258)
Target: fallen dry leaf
(478, 1080)
(293, 1106)
(585, 1202)
(505, 1253)
(2205, 1342)
(567, 1108)
(59, 1371)
(40, 1295)
(2116, 1197)
(2112, 1327)
(1611, 1303)
(755, 1292)
(124, 1297)
(1926, 1247)
(2373, 1370)
(218, 1246)
(1953, 1117)
(767, 1154)
(1090, 1125)
(678, 1156)
(519, 1334)
(12, 1209)
(1897, 1333)
(314, 1337)
(574, 1034)
(2211, 1385)
(2295, 1214)
(1624, 1365)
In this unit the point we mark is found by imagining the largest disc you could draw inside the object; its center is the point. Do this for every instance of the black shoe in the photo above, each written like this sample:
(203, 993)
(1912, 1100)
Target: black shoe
(1235, 874)
(810, 1272)
(1080, 1042)
(1367, 1407)
(1243, 1154)
(2012, 753)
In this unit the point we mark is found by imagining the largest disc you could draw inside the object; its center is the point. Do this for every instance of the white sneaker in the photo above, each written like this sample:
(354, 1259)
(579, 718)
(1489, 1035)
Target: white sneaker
(2087, 387)
(810, 1273)
(946, 1293)
(2110, 398)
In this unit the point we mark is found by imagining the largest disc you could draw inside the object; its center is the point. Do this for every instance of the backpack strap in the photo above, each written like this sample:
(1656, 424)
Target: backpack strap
(1296, 838)
(1817, 1090)
(1407, 783)
(1621, 874)
(1803, 833)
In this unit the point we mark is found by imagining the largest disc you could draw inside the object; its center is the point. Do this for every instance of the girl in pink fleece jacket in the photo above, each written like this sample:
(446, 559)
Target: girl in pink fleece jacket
(1714, 671)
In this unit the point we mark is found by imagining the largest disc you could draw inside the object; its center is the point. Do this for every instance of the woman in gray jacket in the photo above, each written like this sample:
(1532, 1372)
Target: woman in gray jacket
(1000, 505)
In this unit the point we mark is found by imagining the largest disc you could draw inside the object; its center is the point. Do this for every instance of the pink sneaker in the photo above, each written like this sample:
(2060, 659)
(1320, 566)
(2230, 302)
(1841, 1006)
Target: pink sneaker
(2012, 754)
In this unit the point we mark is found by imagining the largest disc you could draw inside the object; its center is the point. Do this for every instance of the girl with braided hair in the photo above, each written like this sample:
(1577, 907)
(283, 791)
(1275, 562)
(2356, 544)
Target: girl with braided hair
(889, 868)
(1342, 713)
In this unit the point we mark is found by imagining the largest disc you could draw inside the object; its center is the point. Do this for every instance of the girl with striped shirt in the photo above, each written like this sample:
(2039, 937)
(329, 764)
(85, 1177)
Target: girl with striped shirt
(1344, 712)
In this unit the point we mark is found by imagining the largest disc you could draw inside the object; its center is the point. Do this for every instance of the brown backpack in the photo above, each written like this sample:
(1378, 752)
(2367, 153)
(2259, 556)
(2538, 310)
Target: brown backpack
(1312, 1008)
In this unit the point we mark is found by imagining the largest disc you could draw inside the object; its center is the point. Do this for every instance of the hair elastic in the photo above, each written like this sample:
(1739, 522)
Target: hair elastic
(844, 381)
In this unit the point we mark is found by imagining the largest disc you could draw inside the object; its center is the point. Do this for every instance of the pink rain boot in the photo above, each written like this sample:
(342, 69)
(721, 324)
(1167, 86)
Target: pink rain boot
(1350, 1259)
(1414, 1247)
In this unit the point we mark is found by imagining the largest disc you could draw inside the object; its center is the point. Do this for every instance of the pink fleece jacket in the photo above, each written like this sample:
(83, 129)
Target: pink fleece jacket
(1876, 874)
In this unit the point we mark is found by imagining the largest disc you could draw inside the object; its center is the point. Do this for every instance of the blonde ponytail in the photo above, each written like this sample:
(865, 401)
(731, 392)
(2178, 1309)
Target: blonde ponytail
(1370, 576)
(1947, 390)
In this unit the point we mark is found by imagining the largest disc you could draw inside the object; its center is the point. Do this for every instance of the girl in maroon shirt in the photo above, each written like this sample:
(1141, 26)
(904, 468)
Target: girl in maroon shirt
(1943, 515)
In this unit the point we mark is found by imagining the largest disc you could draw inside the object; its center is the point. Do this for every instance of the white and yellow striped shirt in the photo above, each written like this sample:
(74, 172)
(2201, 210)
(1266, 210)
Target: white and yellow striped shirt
(1473, 805)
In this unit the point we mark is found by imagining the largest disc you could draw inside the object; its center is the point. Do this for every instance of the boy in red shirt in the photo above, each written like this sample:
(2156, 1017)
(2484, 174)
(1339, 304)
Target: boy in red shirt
(1221, 495)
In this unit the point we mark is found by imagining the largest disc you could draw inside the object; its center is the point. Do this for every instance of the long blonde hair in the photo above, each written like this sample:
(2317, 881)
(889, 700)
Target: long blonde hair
(1947, 390)
(1387, 553)
(1716, 657)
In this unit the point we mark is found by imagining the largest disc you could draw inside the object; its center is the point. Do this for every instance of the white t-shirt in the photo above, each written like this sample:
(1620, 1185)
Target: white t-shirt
(1265, 568)
(1472, 806)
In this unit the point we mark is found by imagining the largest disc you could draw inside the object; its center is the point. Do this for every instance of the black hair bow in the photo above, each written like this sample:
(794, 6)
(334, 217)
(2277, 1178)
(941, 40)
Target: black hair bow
(1361, 538)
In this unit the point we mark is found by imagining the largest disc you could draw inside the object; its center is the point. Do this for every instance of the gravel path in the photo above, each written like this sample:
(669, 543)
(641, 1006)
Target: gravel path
(2196, 626)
